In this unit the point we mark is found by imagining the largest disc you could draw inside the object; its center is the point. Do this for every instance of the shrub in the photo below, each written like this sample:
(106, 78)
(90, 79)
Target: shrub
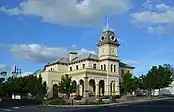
(55, 102)
(78, 97)
(58, 102)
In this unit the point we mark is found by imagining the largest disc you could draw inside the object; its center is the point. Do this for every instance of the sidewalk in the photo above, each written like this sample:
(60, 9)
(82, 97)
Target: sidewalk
(101, 105)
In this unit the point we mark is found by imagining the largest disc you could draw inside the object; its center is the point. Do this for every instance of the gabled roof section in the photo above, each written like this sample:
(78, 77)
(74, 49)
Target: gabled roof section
(85, 56)
(62, 60)
(121, 64)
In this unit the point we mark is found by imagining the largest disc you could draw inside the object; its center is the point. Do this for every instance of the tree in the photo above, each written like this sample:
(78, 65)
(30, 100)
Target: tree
(158, 77)
(65, 85)
(127, 86)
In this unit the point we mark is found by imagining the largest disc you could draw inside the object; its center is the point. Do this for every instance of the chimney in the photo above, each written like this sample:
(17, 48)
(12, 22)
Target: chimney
(72, 55)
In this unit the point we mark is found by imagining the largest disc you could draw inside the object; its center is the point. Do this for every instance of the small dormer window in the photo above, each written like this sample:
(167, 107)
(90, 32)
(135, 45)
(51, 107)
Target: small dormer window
(113, 38)
(102, 38)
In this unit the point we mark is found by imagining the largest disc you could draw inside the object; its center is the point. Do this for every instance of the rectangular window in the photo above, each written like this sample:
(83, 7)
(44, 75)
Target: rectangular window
(111, 67)
(70, 68)
(101, 67)
(114, 68)
(77, 67)
(122, 72)
(104, 67)
(94, 66)
(128, 71)
(83, 65)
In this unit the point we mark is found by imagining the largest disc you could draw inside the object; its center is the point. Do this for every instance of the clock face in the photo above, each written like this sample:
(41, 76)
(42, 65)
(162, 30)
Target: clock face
(112, 51)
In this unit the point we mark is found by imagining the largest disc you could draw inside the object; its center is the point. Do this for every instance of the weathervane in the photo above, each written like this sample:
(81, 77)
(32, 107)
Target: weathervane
(107, 25)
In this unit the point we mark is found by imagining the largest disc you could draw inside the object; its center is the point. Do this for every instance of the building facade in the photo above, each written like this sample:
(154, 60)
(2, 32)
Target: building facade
(96, 75)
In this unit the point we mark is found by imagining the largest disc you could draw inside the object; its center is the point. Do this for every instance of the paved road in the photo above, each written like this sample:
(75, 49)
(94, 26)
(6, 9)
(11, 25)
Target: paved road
(154, 106)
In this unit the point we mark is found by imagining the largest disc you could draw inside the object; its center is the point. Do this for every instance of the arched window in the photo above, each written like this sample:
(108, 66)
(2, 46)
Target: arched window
(111, 67)
(104, 67)
(114, 68)
(77, 67)
(101, 67)
(51, 69)
(94, 66)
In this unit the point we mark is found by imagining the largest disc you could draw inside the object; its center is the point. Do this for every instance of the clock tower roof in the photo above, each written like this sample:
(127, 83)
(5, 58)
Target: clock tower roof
(108, 37)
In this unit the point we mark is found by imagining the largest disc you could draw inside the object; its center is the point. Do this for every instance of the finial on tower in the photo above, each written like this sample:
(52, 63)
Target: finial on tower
(107, 25)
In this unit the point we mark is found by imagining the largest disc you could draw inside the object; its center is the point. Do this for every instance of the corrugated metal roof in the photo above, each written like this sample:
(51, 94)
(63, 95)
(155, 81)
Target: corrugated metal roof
(84, 56)
(121, 64)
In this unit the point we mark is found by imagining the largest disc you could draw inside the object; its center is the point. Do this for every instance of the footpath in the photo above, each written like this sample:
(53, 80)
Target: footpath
(111, 104)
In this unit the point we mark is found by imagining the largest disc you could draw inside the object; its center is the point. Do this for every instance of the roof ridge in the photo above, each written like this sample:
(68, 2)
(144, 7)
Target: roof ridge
(60, 59)
(89, 55)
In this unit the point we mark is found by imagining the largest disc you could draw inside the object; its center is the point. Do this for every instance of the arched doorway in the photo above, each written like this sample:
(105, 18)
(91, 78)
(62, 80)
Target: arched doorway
(101, 88)
(92, 87)
(55, 91)
(81, 87)
(74, 84)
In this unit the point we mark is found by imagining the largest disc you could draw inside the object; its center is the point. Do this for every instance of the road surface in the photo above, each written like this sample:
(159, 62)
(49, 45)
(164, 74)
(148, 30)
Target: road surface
(153, 106)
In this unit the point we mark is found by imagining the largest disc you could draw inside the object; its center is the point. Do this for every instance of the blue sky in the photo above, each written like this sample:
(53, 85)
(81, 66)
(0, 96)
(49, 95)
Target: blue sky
(34, 32)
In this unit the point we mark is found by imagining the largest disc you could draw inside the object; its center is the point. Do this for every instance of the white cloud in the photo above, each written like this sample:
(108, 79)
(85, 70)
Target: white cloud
(158, 18)
(3, 67)
(87, 12)
(26, 73)
(40, 53)
(83, 50)
(37, 53)
(157, 29)
(163, 7)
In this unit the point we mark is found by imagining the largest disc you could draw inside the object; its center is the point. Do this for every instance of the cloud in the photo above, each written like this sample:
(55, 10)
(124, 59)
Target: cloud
(37, 53)
(157, 29)
(159, 18)
(83, 50)
(40, 53)
(3, 67)
(74, 12)
(26, 73)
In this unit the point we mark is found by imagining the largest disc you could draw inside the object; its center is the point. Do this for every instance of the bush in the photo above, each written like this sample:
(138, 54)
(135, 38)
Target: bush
(78, 97)
(117, 96)
(105, 97)
(55, 102)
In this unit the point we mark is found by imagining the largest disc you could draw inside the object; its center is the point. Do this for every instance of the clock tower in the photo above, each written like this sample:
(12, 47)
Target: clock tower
(108, 45)
(108, 57)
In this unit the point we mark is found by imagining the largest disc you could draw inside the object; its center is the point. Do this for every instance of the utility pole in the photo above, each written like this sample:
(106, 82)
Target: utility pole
(16, 72)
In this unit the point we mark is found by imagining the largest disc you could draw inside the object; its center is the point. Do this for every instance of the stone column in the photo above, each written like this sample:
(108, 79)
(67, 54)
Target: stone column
(80, 90)
(113, 88)
(86, 87)
(117, 90)
(106, 89)
(97, 90)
